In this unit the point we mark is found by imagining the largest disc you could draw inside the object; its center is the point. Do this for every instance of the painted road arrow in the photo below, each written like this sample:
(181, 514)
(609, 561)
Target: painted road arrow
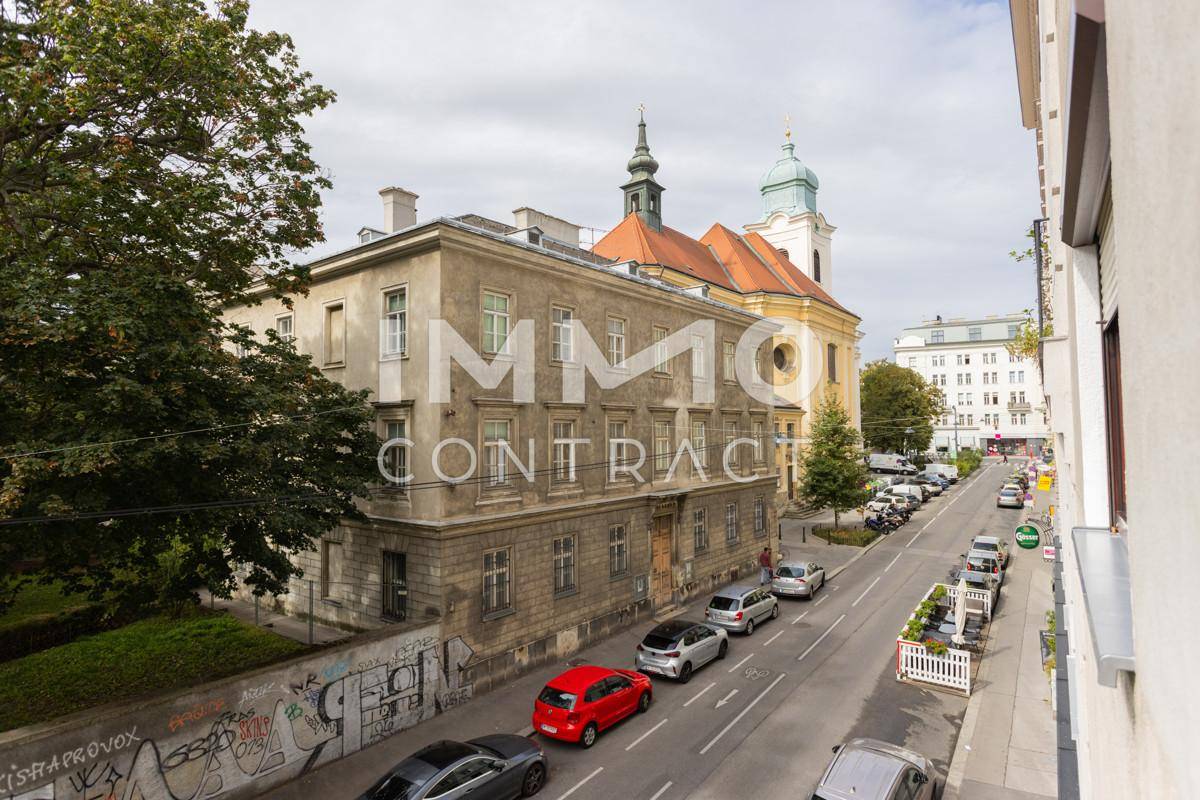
(726, 698)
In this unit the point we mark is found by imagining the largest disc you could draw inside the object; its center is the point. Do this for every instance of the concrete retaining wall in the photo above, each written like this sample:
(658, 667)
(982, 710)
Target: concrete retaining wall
(238, 737)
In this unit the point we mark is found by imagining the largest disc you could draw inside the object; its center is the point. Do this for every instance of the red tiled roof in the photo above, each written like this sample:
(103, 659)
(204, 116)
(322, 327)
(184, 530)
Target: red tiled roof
(722, 257)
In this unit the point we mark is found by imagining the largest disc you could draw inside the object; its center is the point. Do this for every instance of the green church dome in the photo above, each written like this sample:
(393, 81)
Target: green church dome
(789, 186)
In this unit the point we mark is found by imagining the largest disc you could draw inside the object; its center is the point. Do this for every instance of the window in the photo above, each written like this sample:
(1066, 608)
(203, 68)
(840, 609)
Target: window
(970, 419)
(985, 377)
(618, 551)
(1012, 331)
(831, 361)
(562, 341)
(700, 440)
(654, 203)
(562, 462)
(974, 334)
(961, 420)
(331, 569)
(699, 530)
(959, 378)
(758, 431)
(912, 361)
(497, 581)
(937, 337)
(967, 359)
(1013, 419)
(995, 377)
(1023, 416)
(335, 334)
(729, 361)
(616, 341)
(1012, 377)
(463, 776)
(496, 432)
(731, 522)
(698, 371)
(396, 457)
(395, 586)
(1114, 419)
(816, 266)
(564, 564)
(662, 445)
(661, 362)
(618, 451)
(495, 323)
(760, 516)
(1020, 376)
(967, 379)
(284, 328)
(1021, 396)
(731, 433)
(395, 322)
(958, 359)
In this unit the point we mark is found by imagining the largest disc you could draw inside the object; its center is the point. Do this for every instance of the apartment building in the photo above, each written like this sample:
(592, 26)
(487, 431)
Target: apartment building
(993, 398)
(1111, 89)
(512, 528)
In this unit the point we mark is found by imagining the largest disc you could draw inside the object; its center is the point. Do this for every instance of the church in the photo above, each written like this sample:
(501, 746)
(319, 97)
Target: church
(780, 266)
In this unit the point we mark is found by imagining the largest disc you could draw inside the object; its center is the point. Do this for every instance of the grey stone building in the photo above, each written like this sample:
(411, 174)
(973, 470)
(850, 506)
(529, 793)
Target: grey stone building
(514, 529)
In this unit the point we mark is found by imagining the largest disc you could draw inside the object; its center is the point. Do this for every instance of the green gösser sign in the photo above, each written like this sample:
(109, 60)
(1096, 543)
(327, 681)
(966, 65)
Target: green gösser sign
(1027, 536)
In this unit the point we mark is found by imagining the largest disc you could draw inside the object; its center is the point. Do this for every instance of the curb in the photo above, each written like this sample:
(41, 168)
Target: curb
(966, 734)
(879, 540)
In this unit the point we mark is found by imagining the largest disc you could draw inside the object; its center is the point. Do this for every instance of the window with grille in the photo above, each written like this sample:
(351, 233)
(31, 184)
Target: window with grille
(618, 550)
(395, 322)
(395, 586)
(495, 323)
(564, 564)
(699, 530)
(497, 581)
(731, 522)
(760, 516)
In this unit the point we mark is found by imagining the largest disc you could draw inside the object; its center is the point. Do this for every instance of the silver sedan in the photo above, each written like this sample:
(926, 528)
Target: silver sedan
(677, 647)
(798, 579)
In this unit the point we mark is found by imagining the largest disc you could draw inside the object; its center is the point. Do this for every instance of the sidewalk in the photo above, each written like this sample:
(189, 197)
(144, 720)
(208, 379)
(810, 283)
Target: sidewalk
(1006, 747)
(287, 627)
(831, 556)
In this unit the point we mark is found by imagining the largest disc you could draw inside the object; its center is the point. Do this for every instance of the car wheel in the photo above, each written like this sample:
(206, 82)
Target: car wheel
(588, 737)
(535, 779)
(644, 700)
(685, 674)
(749, 627)
(775, 611)
(723, 650)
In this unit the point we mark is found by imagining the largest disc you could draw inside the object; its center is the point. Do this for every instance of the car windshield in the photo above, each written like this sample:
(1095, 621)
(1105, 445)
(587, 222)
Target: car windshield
(656, 642)
(1008, 493)
(978, 545)
(790, 572)
(557, 698)
(723, 603)
(392, 787)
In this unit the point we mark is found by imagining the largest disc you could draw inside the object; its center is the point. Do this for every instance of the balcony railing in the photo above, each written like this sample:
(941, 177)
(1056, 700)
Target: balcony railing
(1020, 407)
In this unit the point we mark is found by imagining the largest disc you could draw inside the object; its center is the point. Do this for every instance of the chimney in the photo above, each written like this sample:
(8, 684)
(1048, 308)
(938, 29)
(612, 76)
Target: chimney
(554, 228)
(399, 209)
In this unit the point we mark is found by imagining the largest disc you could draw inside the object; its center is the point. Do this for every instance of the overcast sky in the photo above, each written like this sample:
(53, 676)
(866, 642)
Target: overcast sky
(906, 111)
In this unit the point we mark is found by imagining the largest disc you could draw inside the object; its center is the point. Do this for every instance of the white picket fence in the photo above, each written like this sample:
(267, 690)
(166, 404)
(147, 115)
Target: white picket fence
(915, 662)
(977, 599)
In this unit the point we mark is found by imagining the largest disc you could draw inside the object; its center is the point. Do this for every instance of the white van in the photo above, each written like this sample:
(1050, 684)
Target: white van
(890, 462)
(948, 470)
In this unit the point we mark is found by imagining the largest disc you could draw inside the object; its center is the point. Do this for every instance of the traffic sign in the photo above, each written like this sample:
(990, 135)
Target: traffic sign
(1043, 483)
(1027, 536)
(997, 435)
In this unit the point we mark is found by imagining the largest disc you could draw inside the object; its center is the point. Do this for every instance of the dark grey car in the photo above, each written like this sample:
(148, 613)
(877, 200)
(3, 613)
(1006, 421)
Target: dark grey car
(497, 767)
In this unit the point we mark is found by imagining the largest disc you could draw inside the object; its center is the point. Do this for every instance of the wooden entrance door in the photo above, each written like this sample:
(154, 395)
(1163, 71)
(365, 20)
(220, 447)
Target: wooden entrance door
(660, 560)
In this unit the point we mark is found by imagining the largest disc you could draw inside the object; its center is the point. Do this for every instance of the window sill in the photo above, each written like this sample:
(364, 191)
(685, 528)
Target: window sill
(574, 590)
(620, 576)
(334, 365)
(1103, 562)
(733, 542)
(501, 614)
(393, 356)
(564, 491)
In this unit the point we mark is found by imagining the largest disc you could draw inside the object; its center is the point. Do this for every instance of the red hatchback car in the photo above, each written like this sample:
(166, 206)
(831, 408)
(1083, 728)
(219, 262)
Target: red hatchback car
(583, 701)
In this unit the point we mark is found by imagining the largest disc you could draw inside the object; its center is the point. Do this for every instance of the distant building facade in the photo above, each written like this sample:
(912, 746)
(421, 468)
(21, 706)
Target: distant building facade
(993, 399)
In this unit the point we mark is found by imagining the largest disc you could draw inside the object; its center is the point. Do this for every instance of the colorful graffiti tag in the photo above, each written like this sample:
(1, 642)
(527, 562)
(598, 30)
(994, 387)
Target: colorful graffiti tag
(326, 710)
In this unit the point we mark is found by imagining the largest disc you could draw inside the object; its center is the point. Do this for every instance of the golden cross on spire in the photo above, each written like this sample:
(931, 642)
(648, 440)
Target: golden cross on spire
(787, 126)
(641, 109)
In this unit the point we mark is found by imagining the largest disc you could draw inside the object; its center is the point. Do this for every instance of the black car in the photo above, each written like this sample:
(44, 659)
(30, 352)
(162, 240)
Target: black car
(497, 767)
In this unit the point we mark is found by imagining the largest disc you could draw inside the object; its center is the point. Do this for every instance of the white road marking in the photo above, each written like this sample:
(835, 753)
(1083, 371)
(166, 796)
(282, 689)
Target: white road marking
(526, 731)
(894, 560)
(697, 695)
(802, 616)
(734, 668)
(726, 698)
(821, 638)
(638, 740)
(864, 594)
(742, 713)
(662, 791)
(571, 791)
(822, 600)
(773, 638)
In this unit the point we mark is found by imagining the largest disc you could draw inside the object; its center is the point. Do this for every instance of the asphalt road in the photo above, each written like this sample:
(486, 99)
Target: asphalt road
(764, 719)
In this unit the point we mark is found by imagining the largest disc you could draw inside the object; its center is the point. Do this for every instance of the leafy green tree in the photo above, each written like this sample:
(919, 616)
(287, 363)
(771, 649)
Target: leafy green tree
(153, 170)
(895, 398)
(833, 472)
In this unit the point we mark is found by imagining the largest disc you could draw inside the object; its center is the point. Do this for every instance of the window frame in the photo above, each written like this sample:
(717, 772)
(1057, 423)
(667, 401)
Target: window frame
(699, 530)
(505, 350)
(556, 345)
(290, 316)
(760, 515)
(732, 534)
(327, 310)
(565, 564)
(572, 476)
(385, 351)
(662, 463)
(623, 337)
(403, 451)
(662, 361)
(509, 606)
(729, 361)
(618, 550)
(488, 484)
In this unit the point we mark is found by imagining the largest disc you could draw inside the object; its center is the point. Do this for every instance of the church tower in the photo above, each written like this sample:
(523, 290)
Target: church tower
(791, 221)
(643, 195)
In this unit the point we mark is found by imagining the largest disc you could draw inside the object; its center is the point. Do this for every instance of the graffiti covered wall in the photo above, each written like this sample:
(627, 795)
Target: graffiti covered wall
(236, 738)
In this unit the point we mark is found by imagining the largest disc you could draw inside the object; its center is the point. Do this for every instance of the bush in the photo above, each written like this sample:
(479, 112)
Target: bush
(936, 647)
(913, 631)
(938, 593)
(860, 537)
(968, 461)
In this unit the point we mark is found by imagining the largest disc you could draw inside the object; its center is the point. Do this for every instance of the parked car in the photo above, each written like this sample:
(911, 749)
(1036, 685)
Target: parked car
(798, 579)
(497, 767)
(928, 483)
(677, 647)
(868, 769)
(992, 544)
(977, 580)
(948, 471)
(1010, 498)
(890, 462)
(583, 701)
(911, 495)
(740, 608)
(940, 480)
(983, 561)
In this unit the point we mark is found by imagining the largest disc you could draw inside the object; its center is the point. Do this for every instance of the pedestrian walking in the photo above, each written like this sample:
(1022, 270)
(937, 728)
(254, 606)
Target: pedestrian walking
(764, 561)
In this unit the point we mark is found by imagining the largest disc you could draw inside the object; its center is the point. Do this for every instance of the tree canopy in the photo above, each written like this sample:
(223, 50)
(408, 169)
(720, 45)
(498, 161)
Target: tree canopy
(896, 398)
(153, 170)
(833, 472)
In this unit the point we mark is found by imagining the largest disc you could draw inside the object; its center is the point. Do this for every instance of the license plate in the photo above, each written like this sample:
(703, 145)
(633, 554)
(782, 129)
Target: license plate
(651, 668)
(549, 728)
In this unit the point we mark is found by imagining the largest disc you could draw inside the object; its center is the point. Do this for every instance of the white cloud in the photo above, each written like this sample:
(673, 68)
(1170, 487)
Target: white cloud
(907, 111)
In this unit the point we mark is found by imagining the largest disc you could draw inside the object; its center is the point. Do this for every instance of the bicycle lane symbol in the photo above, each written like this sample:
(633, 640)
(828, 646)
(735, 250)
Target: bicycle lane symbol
(755, 673)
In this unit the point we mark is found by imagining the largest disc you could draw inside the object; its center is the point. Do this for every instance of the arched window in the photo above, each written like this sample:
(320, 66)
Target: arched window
(635, 202)
(816, 266)
(654, 203)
